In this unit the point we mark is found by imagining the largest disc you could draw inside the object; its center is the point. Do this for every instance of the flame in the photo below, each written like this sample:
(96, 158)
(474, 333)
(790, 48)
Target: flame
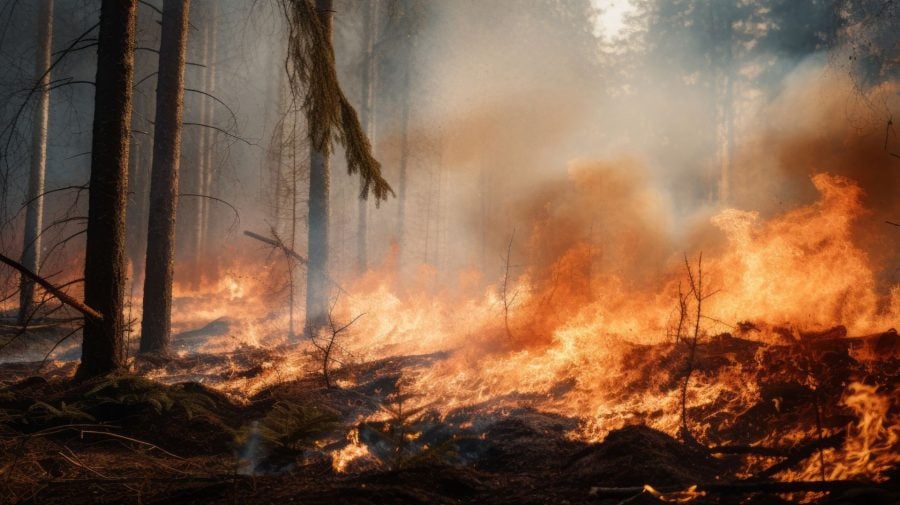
(872, 446)
(688, 495)
(577, 312)
(353, 452)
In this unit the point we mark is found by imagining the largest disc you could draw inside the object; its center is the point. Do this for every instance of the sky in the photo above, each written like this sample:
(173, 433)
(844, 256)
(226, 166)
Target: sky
(611, 20)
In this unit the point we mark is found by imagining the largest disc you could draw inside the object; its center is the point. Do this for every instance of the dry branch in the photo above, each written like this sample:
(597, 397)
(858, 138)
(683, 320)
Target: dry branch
(277, 243)
(61, 296)
(736, 488)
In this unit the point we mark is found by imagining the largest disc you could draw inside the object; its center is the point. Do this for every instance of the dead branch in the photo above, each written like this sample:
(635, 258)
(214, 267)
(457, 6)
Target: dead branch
(278, 243)
(798, 455)
(682, 313)
(328, 347)
(507, 300)
(129, 439)
(737, 488)
(699, 296)
(61, 296)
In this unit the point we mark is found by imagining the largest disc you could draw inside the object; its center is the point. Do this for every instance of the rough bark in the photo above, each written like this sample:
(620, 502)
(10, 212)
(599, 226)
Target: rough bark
(103, 347)
(34, 212)
(157, 312)
(319, 186)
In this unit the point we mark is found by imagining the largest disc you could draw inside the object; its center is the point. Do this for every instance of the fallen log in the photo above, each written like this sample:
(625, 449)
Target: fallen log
(53, 290)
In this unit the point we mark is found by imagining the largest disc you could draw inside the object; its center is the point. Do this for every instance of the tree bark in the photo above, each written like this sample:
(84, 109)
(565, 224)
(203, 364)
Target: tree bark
(34, 212)
(319, 186)
(367, 117)
(156, 324)
(103, 347)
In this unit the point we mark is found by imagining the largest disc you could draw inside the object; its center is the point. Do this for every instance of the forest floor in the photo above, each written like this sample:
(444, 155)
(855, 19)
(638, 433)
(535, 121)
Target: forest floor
(130, 439)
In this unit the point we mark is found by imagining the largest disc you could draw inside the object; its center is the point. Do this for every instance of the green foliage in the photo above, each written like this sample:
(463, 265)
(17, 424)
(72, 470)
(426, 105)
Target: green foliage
(138, 391)
(66, 413)
(400, 432)
(296, 426)
(313, 78)
(8, 395)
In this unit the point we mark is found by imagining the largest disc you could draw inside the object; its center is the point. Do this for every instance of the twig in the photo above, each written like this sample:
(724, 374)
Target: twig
(123, 437)
(735, 488)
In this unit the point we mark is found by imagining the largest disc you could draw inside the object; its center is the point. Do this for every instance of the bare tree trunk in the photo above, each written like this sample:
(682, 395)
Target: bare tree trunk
(367, 117)
(103, 347)
(157, 320)
(404, 156)
(192, 227)
(319, 174)
(208, 225)
(34, 212)
(139, 177)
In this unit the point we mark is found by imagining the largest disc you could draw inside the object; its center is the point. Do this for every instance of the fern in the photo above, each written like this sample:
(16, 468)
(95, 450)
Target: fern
(65, 413)
(295, 426)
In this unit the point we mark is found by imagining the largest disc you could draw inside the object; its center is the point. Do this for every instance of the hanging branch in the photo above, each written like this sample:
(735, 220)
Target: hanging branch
(311, 74)
(61, 296)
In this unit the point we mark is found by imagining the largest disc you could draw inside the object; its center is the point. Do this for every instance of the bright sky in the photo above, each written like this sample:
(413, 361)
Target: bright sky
(611, 21)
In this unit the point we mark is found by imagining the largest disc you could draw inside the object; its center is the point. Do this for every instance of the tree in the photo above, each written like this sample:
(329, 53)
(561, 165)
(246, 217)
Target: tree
(367, 116)
(319, 187)
(31, 248)
(157, 312)
(312, 76)
(103, 347)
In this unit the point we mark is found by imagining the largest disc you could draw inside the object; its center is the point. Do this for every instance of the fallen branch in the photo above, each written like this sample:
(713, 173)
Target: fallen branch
(735, 488)
(802, 453)
(123, 437)
(53, 290)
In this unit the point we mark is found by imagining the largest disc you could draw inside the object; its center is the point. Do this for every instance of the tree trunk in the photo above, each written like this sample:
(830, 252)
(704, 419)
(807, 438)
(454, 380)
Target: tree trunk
(103, 347)
(367, 117)
(34, 212)
(157, 317)
(319, 173)
(207, 221)
(141, 160)
(404, 155)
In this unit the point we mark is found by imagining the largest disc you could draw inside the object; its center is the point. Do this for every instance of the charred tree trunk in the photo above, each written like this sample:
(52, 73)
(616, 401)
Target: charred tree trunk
(156, 322)
(319, 186)
(103, 347)
(367, 116)
(34, 213)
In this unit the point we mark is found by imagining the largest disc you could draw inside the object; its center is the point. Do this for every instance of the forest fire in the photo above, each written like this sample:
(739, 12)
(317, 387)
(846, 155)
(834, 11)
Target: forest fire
(403, 251)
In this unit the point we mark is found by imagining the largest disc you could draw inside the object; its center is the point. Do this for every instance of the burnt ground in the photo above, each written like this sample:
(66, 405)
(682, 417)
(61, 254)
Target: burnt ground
(128, 439)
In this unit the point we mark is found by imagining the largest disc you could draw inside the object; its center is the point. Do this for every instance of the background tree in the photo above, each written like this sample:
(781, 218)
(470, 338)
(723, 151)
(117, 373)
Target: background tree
(103, 347)
(312, 75)
(31, 248)
(157, 311)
